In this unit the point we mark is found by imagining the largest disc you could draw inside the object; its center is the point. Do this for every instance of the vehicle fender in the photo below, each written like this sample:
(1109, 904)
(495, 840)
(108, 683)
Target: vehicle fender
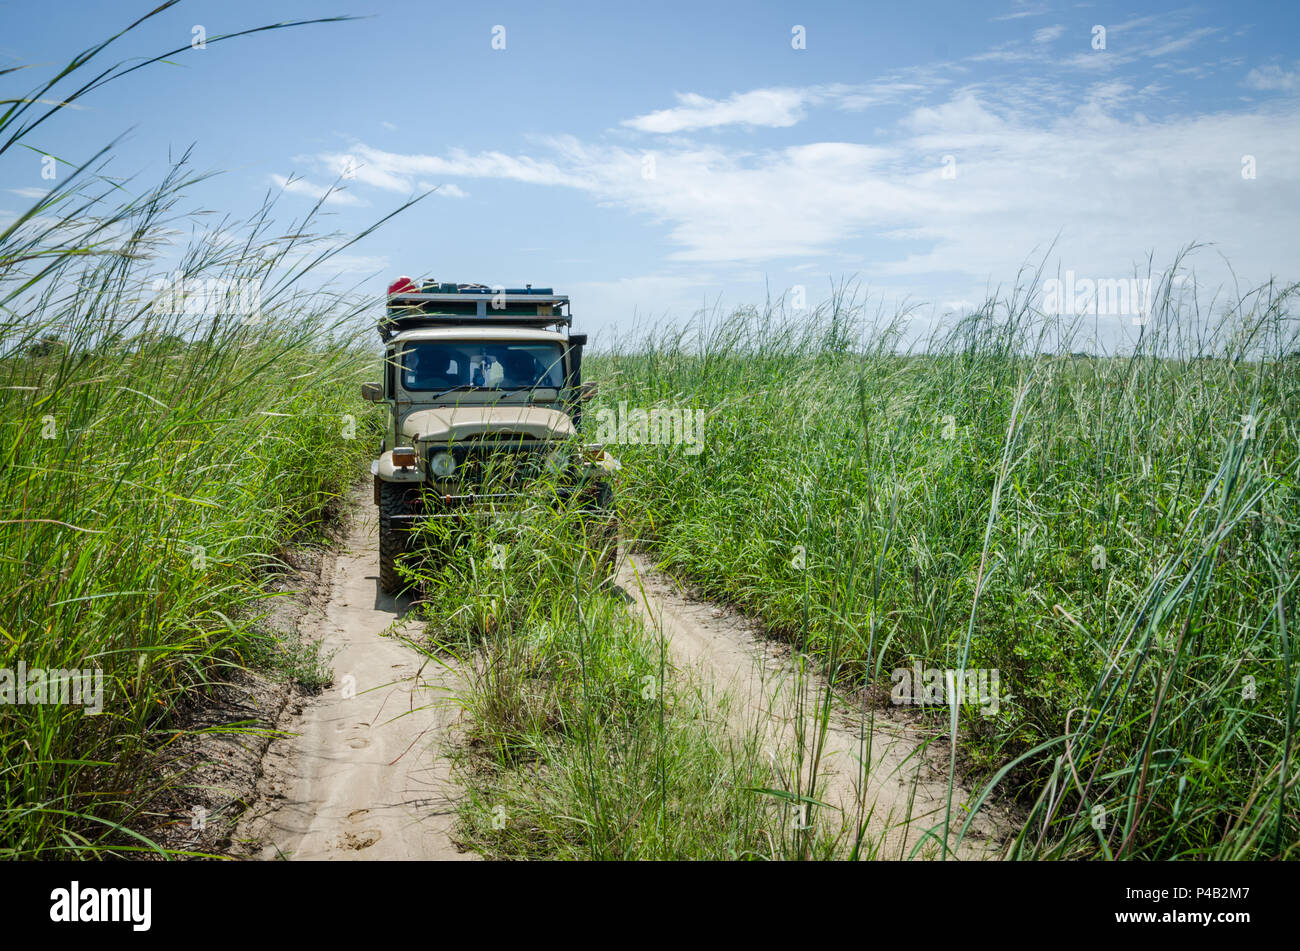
(384, 471)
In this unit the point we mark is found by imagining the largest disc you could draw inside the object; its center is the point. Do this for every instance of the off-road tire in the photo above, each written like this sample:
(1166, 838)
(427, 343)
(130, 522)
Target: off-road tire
(393, 537)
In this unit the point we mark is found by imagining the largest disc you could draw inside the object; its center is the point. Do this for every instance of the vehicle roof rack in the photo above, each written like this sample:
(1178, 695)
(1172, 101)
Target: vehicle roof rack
(433, 304)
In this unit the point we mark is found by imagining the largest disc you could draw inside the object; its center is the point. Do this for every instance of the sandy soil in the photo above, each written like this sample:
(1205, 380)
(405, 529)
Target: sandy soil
(906, 786)
(361, 774)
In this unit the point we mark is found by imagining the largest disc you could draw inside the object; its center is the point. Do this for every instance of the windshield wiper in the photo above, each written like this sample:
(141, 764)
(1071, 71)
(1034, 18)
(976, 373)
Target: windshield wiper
(456, 389)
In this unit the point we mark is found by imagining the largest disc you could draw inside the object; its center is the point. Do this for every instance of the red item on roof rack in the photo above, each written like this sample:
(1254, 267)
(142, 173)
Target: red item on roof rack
(402, 285)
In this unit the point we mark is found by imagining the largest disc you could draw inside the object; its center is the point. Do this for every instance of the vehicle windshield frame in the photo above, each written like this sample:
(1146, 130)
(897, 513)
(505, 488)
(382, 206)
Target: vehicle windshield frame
(549, 355)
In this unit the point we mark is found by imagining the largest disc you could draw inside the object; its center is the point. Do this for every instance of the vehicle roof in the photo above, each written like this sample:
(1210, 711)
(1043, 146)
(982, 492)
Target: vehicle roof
(477, 333)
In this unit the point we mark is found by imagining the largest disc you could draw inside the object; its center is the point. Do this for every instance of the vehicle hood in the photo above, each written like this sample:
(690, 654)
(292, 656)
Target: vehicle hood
(443, 423)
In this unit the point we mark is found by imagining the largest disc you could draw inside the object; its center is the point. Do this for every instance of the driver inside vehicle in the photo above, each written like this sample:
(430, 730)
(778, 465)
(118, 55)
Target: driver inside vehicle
(411, 375)
(520, 369)
(488, 371)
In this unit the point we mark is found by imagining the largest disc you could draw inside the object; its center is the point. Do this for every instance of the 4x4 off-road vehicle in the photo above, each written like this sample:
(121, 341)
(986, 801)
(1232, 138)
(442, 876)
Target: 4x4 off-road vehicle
(485, 390)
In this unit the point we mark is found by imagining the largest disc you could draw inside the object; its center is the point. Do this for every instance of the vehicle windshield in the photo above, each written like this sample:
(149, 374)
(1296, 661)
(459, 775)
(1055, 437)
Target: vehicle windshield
(496, 364)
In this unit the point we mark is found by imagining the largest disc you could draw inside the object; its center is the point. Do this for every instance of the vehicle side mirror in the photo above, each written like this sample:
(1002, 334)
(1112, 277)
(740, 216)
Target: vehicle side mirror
(372, 392)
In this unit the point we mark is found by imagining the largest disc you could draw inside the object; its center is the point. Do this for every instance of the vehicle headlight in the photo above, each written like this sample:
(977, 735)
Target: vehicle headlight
(442, 464)
(557, 460)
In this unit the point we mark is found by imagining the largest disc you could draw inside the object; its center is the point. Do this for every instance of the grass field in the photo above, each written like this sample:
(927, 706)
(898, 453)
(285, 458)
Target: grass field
(148, 486)
(1116, 536)
(157, 459)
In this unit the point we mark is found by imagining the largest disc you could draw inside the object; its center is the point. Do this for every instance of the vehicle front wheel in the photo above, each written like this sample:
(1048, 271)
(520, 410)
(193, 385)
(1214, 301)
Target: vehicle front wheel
(393, 536)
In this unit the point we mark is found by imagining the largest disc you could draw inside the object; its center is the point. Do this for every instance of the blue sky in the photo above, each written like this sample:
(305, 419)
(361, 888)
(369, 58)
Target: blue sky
(647, 158)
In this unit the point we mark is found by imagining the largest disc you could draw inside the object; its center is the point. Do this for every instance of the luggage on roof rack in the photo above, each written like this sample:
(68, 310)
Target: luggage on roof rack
(434, 304)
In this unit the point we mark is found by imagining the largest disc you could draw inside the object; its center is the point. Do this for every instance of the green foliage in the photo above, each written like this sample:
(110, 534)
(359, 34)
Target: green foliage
(153, 465)
(942, 527)
(582, 743)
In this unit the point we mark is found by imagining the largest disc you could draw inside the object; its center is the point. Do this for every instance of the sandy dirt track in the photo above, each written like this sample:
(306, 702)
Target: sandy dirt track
(906, 786)
(361, 776)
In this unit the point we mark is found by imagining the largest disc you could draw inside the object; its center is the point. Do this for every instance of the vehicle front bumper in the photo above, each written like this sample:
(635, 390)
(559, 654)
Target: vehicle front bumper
(431, 501)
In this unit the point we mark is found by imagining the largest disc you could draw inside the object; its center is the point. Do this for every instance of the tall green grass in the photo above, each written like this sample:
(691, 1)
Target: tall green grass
(1116, 535)
(581, 740)
(155, 464)
(584, 737)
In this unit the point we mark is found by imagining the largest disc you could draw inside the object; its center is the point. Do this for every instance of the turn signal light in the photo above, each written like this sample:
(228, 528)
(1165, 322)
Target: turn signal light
(404, 457)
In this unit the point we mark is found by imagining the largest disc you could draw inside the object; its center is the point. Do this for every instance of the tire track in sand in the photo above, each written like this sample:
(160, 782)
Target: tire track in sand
(906, 787)
(361, 776)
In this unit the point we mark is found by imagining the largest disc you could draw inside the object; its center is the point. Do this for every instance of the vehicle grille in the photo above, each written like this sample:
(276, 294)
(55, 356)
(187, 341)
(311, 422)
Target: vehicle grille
(498, 463)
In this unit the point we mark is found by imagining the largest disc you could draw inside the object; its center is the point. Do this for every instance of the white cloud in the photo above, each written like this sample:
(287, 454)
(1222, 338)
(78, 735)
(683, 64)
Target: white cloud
(1137, 23)
(674, 296)
(1113, 187)
(964, 113)
(891, 90)
(1109, 92)
(1273, 78)
(398, 172)
(775, 108)
(1182, 42)
(1028, 10)
(1098, 60)
(1048, 33)
(1034, 160)
(1008, 53)
(300, 186)
(30, 192)
(786, 106)
(446, 190)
